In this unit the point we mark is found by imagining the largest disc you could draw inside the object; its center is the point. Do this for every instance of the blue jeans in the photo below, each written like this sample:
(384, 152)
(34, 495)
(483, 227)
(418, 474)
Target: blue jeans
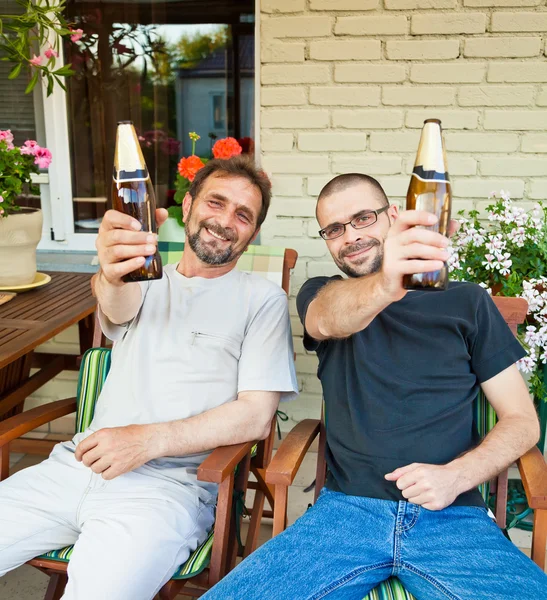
(344, 546)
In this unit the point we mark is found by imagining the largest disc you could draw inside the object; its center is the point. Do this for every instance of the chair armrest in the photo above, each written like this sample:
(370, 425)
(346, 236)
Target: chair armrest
(533, 471)
(16, 426)
(288, 458)
(222, 462)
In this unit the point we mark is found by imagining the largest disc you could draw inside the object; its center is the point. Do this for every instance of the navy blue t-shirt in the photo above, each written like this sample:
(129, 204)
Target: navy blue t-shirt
(402, 390)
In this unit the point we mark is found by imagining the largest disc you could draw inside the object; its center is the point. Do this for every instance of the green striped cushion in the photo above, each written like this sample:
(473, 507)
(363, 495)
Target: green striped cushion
(392, 589)
(93, 371)
(199, 559)
(485, 418)
(264, 260)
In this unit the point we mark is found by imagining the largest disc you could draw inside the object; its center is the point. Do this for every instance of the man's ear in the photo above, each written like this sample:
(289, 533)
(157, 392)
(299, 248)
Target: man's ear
(393, 212)
(186, 205)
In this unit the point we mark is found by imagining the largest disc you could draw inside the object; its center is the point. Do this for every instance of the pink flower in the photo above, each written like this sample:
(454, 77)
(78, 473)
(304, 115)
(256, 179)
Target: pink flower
(76, 34)
(7, 136)
(1, 198)
(51, 53)
(42, 157)
(36, 60)
(29, 147)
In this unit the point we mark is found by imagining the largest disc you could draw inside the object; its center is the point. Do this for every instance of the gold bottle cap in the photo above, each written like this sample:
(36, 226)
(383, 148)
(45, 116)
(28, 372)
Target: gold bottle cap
(430, 164)
(129, 162)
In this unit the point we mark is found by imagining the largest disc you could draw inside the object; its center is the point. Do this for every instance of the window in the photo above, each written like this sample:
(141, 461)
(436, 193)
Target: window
(169, 66)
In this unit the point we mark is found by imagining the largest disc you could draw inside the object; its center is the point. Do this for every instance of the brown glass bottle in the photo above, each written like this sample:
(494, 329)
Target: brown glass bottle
(133, 194)
(430, 190)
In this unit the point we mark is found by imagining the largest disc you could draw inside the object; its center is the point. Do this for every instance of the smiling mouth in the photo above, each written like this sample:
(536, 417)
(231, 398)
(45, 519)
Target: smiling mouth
(216, 235)
(358, 253)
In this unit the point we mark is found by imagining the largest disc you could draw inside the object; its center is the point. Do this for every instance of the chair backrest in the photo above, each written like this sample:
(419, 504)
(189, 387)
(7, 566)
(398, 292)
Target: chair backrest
(273, 263)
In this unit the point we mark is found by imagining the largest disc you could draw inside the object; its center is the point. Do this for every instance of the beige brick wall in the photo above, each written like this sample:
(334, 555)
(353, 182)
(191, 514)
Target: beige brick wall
(346, 85)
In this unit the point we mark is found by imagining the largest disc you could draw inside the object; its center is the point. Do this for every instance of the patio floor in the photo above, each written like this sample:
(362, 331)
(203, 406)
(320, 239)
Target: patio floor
(27, 583)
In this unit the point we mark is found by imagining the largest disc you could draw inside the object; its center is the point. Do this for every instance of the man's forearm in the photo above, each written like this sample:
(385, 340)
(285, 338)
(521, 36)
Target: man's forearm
(343, 308)
(509, 440)
(120, 303)
(232, 423)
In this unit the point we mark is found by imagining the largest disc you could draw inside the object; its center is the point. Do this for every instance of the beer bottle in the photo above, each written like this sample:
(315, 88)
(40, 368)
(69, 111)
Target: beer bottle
(133, 194)
(430, 190)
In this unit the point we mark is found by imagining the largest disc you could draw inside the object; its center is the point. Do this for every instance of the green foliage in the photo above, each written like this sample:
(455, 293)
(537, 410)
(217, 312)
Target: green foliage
(33, 26)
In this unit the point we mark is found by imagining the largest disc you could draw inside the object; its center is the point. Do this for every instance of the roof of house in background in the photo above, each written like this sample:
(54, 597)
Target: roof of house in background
(215, 65)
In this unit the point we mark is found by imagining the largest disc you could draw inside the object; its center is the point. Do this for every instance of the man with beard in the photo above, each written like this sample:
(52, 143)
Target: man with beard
(200, 360)
(399, 372)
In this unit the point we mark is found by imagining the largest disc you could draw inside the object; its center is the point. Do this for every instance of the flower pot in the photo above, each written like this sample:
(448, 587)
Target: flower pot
(19, 235)
(171, 231)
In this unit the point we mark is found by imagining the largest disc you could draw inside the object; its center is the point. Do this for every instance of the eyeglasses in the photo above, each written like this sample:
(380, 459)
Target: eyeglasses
(360, 221)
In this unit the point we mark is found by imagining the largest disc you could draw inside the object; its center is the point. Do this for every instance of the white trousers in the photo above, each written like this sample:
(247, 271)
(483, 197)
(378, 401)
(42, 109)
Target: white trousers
(130, 534)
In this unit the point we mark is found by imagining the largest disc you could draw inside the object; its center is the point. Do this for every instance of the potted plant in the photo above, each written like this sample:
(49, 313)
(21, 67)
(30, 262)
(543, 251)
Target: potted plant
(20, 227)
(506, 253)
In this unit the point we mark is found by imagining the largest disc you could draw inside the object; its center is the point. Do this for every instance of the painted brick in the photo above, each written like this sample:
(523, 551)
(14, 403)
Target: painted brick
(316, 184)
(495, 95)
(420, 50)
(286, 185)
(367, 119)
(298, 27)
(286, 74)
(534, 142)
(295, 163)
(421, 4)
(345, 95)
(481, 187)
(537, 189)
(521, 120)
(455, 23)
(519, 21)
(541, 99)
(517, 166)
(481, 142)
(372, 165)
(282, 96)
(282, 6)
(283, 52)
(369, 25)
(517, 72)
(417, 96)
(276, 142)
(394, 142)
(294, 119)
(502, 47)
(333, 141)
(293, 207)
(464, 72)
(345, 50)
(369, 73)
(450, 119)
(344, 4)
(500, 3)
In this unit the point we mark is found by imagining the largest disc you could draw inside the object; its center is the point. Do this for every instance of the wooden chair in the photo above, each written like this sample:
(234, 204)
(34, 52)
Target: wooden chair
(533, 469)
(228, 466)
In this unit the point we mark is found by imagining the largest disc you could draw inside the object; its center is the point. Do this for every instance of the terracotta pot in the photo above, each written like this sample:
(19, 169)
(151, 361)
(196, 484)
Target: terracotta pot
(19, 235)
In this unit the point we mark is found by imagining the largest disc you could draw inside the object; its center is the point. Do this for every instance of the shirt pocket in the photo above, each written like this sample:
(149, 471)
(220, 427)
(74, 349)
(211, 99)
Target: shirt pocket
(215, 343)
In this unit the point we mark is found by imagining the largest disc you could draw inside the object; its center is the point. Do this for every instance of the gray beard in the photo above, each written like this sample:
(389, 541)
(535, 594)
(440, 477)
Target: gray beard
(206, 254)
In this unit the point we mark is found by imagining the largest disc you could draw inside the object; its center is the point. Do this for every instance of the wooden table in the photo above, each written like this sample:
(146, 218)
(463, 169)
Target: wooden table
(31, 319)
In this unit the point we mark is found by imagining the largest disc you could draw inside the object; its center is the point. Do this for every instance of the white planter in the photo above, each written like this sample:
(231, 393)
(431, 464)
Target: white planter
(19, 236)
(171, 231)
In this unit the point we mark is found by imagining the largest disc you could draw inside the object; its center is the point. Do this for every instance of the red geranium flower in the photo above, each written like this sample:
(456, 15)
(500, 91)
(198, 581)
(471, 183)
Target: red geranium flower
(226, 148)
(188, 167)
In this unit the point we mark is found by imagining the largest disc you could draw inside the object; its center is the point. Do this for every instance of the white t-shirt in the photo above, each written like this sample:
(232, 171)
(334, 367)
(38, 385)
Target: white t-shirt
(194, 345)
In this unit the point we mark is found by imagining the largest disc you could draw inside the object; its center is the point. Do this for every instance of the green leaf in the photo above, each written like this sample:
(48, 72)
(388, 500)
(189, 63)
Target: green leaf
(15, 71)
(176, 212)
(33, 82)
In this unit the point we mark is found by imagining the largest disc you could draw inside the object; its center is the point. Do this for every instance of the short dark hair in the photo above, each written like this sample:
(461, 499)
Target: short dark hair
(343, 182)
(236, 166)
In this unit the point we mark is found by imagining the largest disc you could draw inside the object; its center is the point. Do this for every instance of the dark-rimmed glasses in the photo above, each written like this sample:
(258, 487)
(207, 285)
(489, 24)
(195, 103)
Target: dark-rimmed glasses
(359, 221)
